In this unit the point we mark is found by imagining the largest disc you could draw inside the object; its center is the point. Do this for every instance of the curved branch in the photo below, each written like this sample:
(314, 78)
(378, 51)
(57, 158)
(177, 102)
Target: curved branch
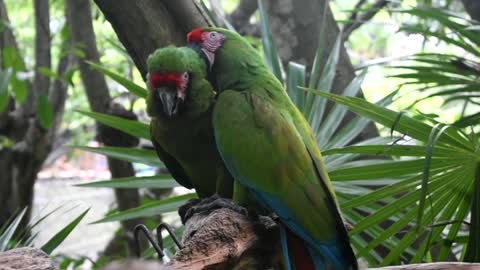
(144, 26)
(225, 240)
(356, 19)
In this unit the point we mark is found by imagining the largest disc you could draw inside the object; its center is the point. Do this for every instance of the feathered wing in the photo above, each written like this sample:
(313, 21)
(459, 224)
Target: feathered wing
(263, 149)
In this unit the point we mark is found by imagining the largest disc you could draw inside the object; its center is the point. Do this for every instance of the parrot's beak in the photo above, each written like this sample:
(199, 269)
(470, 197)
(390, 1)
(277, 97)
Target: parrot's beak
(170, 101)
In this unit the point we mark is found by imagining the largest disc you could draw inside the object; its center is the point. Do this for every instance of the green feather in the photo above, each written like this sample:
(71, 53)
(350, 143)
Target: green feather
(185, 142)
(269, 147)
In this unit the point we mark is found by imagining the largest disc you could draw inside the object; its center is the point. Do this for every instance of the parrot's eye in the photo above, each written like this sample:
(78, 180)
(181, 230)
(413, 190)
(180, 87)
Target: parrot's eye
(185, 76)
(212, 35)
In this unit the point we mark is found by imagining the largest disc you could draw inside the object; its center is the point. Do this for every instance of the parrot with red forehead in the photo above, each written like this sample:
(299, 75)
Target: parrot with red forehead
(180, 103)
(270, 149)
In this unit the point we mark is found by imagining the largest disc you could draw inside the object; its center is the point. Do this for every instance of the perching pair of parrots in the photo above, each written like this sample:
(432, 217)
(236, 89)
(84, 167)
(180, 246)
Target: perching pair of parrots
(218, 116)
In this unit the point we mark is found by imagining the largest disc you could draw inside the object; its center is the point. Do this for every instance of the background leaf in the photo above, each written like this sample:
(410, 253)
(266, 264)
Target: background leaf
(58, 238)
(45, 111)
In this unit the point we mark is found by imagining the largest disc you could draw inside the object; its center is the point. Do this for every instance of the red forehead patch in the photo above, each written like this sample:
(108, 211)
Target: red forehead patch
(164, 79)
(195, 35)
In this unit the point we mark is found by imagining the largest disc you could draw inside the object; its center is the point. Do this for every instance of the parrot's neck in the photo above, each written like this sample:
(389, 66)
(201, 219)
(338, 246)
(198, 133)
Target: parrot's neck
(240, 77)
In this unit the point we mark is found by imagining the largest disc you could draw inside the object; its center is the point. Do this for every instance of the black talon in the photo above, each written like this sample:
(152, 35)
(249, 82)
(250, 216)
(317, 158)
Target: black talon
(142, 228)
(170, 231)
(212, 203)
(182, 211)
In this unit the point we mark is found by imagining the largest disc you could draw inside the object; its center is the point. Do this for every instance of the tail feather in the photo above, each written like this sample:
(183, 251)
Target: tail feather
(301, 256)
(299, 253)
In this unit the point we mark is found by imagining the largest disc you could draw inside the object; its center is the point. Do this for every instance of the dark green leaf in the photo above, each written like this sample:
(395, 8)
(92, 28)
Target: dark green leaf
(394, 150)
(48, 72)
(134, 128)
(129, 85)
(332, 120)
(270, 49)
(148, 157)
(58, 238)
(473, 248)
(432, 141)
(45, 111)
(7, 234)
(394, 169)
(157, 181)
(5, 76)
(150, 209)
(325, 84)
(295, 78)
(406, 125)
(12, 59)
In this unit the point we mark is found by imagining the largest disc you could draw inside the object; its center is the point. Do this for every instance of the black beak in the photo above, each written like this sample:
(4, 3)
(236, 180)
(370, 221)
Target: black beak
(170, 101)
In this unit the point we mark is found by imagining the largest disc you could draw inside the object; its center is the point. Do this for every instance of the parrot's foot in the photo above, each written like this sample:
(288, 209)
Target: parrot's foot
(182, 211)
(208, 205)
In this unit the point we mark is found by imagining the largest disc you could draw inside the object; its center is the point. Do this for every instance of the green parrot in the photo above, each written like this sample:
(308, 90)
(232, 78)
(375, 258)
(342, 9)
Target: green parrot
(270, 149)
(180, 103)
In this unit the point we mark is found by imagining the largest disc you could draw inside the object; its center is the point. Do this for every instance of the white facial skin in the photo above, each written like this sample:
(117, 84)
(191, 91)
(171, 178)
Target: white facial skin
(182, 88)
(211, 42)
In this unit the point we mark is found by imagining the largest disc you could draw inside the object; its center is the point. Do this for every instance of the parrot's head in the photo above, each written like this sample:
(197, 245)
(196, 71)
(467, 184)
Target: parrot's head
(208, 41)
(169, 80)
(227, 54)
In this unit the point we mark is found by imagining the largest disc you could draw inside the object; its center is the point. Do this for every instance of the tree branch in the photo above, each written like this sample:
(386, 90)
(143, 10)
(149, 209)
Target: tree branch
(296, 25)
(43, 59)
(224, 239)
(144, 26)
(356, 19)
(7, 119)
(79, 17)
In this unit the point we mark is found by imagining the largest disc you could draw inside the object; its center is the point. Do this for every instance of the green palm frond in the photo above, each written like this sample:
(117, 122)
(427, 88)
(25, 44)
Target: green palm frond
(452, 76)
(12, 235)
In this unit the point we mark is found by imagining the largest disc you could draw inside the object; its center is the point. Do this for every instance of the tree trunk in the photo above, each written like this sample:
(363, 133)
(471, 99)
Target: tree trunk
(80, 20)
(19, 123)
(472, 7)
(296, 26)
(144, 26)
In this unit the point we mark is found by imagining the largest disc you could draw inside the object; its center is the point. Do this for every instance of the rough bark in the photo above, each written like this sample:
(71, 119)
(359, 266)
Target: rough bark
(26, 259)
(80, 20)
(144, 26)
(224, 240)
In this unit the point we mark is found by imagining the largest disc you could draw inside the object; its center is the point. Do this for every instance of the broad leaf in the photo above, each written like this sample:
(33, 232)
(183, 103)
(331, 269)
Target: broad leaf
(134, 128)
(58, 238)
(157, 181)
(148, 157)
